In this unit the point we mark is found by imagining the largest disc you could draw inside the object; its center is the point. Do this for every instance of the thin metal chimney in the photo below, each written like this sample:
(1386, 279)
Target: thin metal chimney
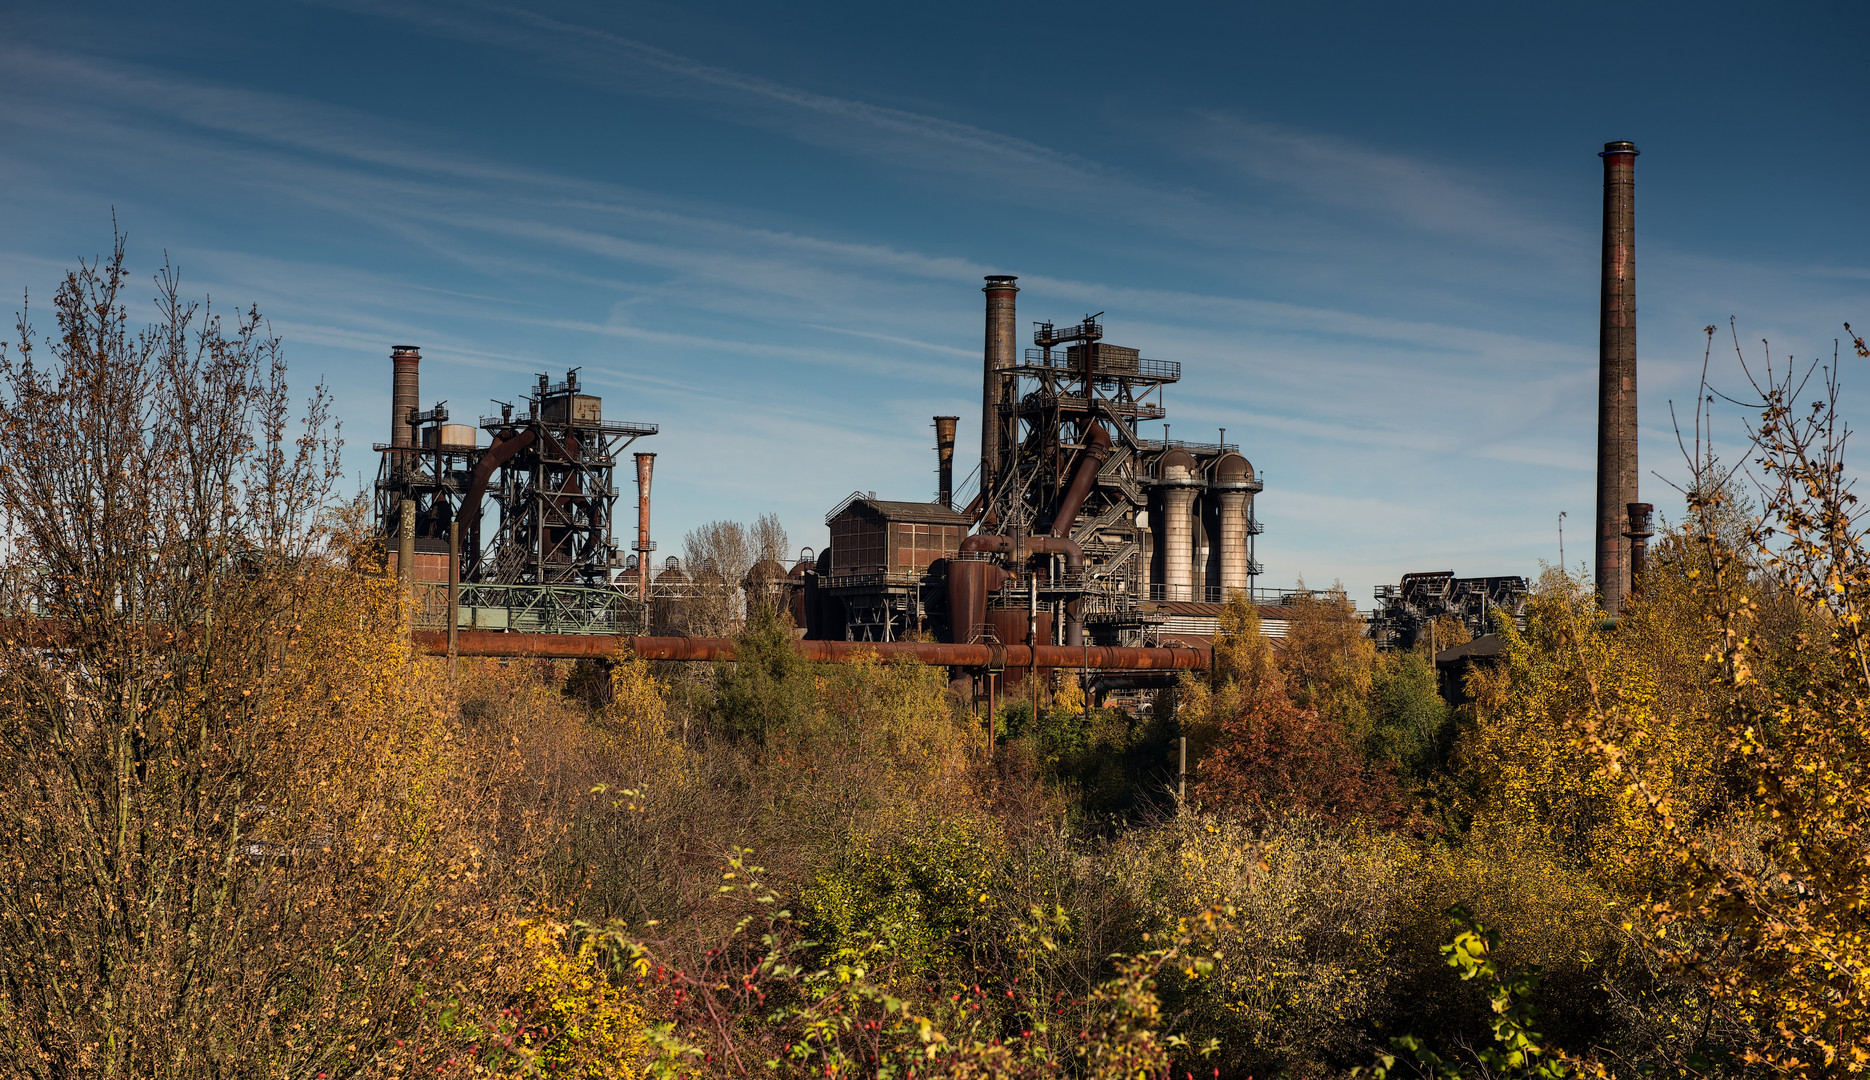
(405, 389)
(1617, 474)
(1001, 354)
(1641, 528)
(944, 452)
(645, 465)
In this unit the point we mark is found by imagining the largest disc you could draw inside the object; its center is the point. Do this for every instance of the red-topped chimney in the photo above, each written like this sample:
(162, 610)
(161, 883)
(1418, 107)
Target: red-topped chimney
(645, 467)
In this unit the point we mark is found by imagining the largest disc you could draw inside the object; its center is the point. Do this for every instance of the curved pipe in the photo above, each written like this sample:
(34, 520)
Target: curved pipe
(1096, 452)
(498, 454)
(967, 591)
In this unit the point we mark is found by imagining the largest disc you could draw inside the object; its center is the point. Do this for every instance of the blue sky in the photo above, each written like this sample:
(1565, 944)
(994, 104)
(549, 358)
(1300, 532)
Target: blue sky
(1369, 232)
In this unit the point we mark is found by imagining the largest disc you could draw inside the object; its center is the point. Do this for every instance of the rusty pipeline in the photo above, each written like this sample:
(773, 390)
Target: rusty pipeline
(934, 654)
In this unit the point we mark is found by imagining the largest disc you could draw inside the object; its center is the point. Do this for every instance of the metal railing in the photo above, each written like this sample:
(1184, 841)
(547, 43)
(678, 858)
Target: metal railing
(1125, 368)
(540, 609)
(1047, 334)
(1141, 410)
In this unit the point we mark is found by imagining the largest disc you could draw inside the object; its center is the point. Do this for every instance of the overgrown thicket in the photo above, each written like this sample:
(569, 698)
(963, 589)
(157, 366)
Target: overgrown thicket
(244, 832)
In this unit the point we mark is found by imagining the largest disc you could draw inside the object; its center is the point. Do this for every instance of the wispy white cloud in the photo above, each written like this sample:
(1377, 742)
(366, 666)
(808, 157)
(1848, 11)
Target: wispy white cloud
(1399, 189)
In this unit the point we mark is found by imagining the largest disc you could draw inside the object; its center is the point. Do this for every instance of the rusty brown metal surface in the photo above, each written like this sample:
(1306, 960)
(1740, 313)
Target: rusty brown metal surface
(1002, 353)
(944, 459)
(405, 388)
(645, 467)
(597, 646)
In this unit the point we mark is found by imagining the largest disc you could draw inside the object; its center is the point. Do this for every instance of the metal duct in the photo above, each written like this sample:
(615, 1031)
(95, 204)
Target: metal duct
(944, 459)
(1001, 354)
(970, 580)
(1617, 477)
(1096, 452)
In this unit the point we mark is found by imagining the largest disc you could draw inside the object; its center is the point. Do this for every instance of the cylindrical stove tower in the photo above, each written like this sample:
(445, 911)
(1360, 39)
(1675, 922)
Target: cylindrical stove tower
(1178, 481)
(1002, 352)
(1617, 477)
(405, 389)
(944, 459)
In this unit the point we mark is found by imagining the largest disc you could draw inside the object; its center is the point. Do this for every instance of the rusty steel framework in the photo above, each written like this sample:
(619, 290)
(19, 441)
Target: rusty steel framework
(549, 474)
(1089, 533)
(1406, 610)
(1156, 520)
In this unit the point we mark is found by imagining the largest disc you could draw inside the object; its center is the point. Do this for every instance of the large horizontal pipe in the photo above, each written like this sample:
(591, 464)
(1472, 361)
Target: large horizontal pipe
(599, 646)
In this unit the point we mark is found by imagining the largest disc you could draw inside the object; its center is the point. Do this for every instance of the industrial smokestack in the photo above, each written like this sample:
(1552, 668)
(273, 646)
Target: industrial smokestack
(645, 465)
(1616, 376)
(1001, 354)
(944, 454)
(405, 388)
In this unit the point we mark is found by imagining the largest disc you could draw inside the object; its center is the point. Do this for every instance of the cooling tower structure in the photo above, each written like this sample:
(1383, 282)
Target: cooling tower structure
(1617, 475)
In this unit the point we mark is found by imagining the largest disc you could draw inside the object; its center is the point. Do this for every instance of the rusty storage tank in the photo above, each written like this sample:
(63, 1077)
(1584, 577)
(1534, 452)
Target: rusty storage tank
(765, 586)
(1010, 627)
(824, 615)
(668, 599)
(796, 599)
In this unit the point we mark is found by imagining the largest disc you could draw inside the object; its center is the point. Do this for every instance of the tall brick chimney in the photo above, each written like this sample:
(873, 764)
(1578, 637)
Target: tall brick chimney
(1617, 474)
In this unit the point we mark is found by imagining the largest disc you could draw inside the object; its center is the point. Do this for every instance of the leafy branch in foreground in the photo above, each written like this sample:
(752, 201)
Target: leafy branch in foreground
(763, 1001)
(1519, 1051)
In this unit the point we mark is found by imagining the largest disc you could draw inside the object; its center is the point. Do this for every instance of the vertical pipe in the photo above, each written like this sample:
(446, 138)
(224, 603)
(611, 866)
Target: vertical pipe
(1640, 530)
(944, 457)
(406, 546)
(1616, 374)
(990, 716)
(1181, 773)
(645, 466)
(454, 593)
(1000, 353)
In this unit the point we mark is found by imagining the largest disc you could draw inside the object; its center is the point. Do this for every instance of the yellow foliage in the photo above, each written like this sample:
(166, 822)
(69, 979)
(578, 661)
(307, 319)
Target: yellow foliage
(571, 1020)
(1526, 759)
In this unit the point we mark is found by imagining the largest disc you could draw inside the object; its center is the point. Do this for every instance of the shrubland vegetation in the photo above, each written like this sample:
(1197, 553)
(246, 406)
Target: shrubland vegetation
(244, 832)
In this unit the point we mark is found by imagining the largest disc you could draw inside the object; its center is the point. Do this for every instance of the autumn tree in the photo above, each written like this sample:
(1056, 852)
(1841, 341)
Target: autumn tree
(234, 838)
(1777, 889)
